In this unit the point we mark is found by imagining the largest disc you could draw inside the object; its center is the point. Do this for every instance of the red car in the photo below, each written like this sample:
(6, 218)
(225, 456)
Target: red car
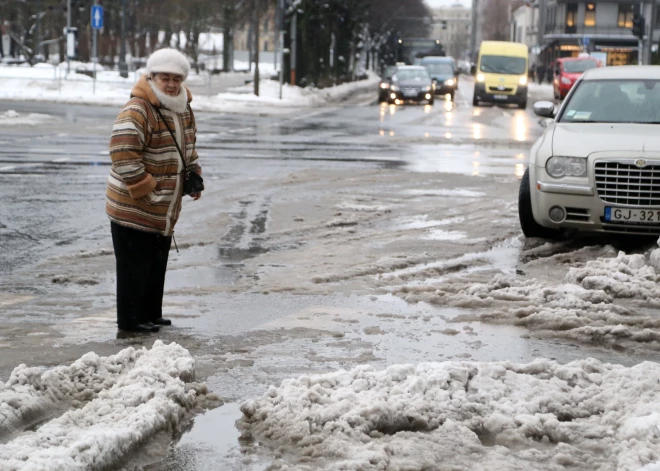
(568, 70)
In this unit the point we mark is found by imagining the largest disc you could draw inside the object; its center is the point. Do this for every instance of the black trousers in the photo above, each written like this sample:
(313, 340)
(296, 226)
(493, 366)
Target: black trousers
(141, 263)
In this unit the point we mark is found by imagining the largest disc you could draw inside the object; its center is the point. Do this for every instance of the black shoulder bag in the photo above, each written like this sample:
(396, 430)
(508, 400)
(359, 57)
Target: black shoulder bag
(192, 182)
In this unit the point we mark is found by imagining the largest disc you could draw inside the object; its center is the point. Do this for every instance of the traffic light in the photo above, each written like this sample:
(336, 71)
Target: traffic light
(638, 26)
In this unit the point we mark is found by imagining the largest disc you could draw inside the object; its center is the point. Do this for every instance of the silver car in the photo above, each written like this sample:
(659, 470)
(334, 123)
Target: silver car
(597, 165)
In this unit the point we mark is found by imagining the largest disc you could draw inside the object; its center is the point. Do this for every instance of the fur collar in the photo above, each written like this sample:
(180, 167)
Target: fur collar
(178, 103)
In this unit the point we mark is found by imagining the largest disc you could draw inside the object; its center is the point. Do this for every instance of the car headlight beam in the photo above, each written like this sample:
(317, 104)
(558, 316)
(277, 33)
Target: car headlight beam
(449, 82)
(523, 80)
(558, 167)
(394, 88)
(481, 78)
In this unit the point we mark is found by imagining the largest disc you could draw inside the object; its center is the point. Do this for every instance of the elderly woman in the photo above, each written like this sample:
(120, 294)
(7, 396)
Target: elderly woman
(154, 160)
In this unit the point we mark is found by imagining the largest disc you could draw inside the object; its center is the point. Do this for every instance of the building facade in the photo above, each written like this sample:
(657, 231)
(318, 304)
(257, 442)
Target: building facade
(600, 28)
(524, 28)
(452, 26)
(267, 34)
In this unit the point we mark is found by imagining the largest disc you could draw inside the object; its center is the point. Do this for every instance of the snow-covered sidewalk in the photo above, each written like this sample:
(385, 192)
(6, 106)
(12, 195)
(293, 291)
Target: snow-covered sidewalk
(114, 404)
(465, 416)
(47, 83)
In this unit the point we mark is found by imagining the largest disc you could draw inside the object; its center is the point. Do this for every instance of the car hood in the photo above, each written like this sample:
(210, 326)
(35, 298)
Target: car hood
(583, 139)
(573, 75)
(441, 77)
(413, 83)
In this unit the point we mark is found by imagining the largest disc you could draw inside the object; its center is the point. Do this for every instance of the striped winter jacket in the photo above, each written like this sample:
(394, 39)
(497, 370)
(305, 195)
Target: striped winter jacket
(145, 186)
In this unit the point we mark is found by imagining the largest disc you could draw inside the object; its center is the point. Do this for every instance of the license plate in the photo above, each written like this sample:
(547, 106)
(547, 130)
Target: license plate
(500, 97)
(632, 215)
(410, 93)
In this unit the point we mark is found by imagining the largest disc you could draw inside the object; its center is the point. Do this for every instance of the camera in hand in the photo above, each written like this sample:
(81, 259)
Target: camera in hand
(192, 183)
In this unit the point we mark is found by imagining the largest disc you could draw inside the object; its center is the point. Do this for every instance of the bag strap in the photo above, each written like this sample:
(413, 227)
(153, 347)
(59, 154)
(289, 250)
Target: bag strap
(183, 160)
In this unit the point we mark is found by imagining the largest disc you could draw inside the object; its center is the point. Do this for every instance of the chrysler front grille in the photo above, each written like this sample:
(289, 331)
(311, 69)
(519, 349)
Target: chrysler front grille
(627, 184)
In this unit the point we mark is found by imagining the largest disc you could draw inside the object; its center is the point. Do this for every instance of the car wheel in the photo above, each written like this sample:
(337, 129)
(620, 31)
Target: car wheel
(475, 102)
(451, 96)
(431, 101)
(522, 105)
(528, 224)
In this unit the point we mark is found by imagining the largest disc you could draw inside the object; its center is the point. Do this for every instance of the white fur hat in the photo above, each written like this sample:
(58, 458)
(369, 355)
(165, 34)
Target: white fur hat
(168, 61)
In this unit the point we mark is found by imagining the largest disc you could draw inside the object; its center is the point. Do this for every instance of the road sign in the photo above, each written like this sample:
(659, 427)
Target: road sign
(97, 16)
(585, 41)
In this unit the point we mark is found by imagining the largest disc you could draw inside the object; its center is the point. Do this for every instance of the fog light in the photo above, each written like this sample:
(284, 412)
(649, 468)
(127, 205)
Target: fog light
(392, 96)
(557, 214)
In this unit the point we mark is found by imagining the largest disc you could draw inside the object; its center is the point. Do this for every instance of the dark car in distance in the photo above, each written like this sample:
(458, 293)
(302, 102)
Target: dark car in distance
(411, 83)
(385, 82)
(444, 74)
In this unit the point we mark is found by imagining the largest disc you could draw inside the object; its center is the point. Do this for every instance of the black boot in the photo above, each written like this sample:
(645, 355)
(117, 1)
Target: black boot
(145, 327)
(161, 321)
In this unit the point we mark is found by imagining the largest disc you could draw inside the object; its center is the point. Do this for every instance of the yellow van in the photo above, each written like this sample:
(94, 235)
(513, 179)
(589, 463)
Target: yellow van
(501, 73)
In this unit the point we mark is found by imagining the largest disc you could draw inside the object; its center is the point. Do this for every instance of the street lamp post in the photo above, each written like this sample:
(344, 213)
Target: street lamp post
(123, 67)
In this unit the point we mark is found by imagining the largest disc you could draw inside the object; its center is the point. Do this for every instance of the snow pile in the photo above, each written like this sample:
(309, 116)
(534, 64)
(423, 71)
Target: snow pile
(52, 83)
(293, 96)
(11, 117)
(586, 306)
(117, 403)
(467, 416)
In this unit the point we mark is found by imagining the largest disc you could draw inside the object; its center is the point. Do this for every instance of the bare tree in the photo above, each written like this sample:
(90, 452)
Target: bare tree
(496, 28)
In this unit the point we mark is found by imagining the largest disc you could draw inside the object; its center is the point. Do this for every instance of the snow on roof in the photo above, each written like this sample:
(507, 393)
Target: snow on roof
(124, 400)
(464, 415)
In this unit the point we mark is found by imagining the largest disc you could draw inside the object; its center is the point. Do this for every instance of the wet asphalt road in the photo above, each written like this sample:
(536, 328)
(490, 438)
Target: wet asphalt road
(52, 183)
(52, 175)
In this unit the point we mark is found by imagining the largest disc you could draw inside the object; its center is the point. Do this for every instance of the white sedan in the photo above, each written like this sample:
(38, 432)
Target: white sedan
(596, 167)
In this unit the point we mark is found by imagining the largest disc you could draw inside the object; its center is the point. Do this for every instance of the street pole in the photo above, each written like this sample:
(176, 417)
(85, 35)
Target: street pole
(256, 46)
(473, 32)
(281, 43)
(651, 28)
(38, 27)
(68, 29)
(123, 67)
(95, 52)
(294, 39)
(541, 28)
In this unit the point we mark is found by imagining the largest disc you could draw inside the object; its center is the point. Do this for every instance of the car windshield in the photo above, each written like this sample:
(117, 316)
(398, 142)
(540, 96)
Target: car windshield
(503, 65)
(389, 71)
(614, 101)
(440, 68)
(412, 74)
(577, 67)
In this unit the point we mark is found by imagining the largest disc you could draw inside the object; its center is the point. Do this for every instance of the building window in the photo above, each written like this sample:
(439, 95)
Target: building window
(590, 14)
(571, 14)
(626, 12)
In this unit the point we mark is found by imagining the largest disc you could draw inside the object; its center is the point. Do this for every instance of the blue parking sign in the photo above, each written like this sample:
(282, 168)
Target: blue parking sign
(97, 16)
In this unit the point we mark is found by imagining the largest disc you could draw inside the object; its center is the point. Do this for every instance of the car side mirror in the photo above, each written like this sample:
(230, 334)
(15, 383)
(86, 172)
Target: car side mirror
(545, 109)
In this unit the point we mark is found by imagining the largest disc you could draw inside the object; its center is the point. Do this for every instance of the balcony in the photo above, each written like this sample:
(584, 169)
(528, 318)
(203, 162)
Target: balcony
(591, 31)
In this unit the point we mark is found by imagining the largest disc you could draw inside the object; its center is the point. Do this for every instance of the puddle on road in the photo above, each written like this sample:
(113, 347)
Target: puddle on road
(212, 442)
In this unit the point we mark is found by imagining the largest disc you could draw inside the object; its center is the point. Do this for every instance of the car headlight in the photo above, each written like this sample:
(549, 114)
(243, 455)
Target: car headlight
(565, 80)
(523, 80)
(394, 88)
(449, 82)
(558, 167)
(426, 89)
(481, 78)
(385, 85)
